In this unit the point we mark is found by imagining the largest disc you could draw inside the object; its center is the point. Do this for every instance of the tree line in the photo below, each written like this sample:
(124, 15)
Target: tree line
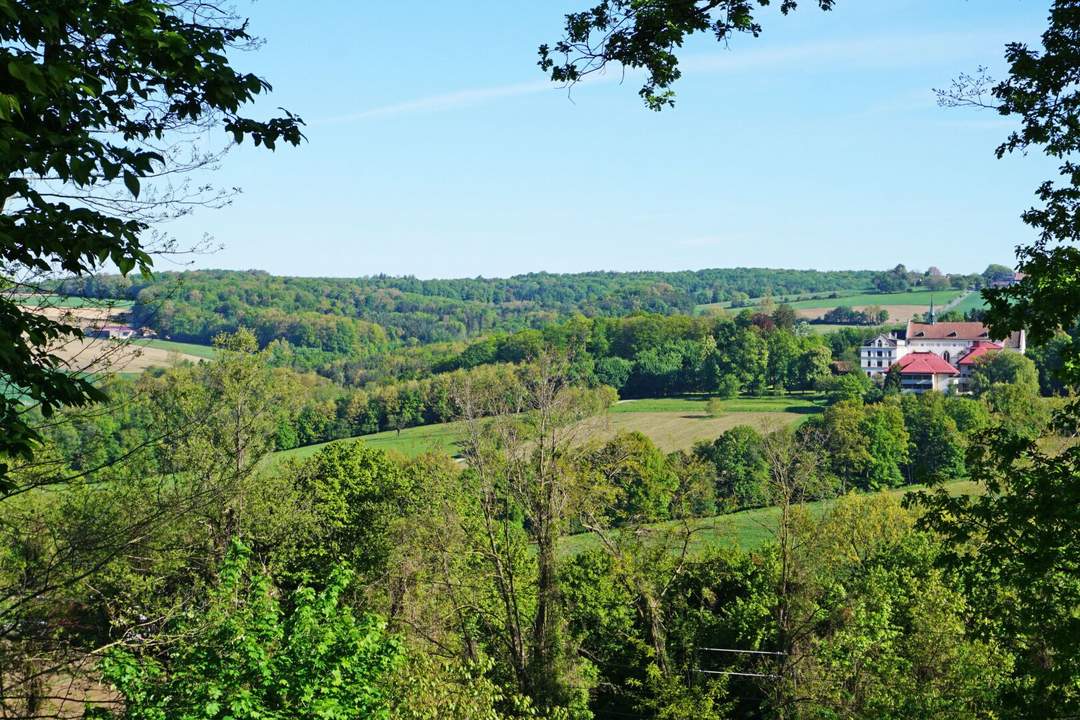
(197, 305)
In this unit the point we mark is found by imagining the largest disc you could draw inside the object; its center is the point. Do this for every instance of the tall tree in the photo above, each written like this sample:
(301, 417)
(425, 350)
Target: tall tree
(520, 449)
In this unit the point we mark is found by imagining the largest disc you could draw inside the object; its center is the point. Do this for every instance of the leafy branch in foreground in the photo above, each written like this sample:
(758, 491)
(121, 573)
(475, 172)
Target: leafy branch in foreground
(646, 34)
(94, 99)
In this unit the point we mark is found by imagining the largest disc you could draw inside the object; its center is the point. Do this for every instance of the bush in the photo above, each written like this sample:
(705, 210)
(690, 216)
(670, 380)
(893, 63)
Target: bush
(245, 657)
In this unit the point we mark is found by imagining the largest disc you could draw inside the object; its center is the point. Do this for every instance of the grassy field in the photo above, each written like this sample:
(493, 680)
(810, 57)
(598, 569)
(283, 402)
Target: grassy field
(200, 351)
(971, 302)
(748, 529)
(102, 356)
(409, 442)
(788, 403)
(917, 297)
(59, 301)
(901, 305)
(788, 299)
(671, 423)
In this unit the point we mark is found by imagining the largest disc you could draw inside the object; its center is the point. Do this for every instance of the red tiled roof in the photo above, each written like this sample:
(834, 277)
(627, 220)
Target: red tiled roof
(924, 363)
(977, 351)
(947, 331)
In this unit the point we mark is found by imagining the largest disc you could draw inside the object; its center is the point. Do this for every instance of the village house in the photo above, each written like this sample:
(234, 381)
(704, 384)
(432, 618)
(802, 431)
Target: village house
(934, 355)
(1008, 281)
(924, 370)
(111, 332)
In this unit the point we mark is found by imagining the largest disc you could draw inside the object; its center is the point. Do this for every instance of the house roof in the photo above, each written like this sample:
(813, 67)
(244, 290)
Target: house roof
(948, 331)
(924, 363)
(977, 351)
(967, 331)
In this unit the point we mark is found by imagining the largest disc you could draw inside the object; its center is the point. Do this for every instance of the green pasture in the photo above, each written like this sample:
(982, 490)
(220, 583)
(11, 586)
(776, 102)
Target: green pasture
(409, 442)
(203, 351)
(672, 423)
(974, 301)
(62, 301)
(916, 297)
(768, 403)
(747, 529)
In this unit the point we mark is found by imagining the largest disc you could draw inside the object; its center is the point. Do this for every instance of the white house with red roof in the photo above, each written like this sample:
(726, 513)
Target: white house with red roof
(924, 370)
(933, 355)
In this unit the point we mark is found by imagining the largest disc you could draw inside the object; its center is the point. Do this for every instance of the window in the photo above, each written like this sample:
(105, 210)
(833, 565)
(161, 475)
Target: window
(945, 355)
(879, 363)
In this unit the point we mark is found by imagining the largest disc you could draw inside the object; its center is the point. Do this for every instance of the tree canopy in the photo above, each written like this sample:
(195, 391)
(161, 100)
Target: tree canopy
(96, 98)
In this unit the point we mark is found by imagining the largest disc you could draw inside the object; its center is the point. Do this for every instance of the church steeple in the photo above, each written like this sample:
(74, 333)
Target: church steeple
(933, 315)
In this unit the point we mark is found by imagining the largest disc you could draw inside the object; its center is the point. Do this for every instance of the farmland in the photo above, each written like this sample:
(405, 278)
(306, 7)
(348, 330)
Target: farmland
(671, 423)
(974, 301)
(900, 305)
(747, 529)
(190, 349)
(920, 298)
(70, 302)
(95, 355)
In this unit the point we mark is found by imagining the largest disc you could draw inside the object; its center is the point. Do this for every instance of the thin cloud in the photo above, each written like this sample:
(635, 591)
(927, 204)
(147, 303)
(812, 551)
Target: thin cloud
(445, 101)
(865, 53)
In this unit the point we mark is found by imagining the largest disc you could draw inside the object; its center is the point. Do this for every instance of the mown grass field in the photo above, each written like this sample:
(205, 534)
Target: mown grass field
(671, 423)
(748, 529)
(409, 442)
(779, 403)
(916, 300)
(200, 351)
(59, 301)
(103, 356)
(974, 301)
(916, 297)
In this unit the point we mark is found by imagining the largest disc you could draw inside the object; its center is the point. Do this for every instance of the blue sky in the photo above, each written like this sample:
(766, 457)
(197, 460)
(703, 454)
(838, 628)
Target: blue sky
(436, 148)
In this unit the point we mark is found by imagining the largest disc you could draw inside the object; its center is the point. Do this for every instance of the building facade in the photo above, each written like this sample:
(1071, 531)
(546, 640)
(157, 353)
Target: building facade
(956, 344)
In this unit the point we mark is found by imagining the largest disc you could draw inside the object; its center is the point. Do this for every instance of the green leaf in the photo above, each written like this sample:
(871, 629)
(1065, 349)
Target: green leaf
(132, 182)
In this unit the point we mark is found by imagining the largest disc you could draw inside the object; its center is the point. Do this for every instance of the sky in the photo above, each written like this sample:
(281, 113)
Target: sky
(436, 148)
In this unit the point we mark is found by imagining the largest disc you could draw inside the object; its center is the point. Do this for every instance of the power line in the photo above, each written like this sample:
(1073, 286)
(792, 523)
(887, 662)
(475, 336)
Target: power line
(732, 672)
(749, 652)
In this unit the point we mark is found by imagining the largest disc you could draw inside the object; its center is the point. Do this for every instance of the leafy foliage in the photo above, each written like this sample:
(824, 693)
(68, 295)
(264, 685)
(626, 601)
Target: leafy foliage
(91, 90)
(646, 35)
(1017, 548)
(244, 656)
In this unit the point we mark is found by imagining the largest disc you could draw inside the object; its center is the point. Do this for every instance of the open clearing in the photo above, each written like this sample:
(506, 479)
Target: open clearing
(81, 316)
(974, 301)
(896, 303)
(747, 529)
(671, 423)
(94, 355)
(70, 301)
(199, 351)
(915, 297)
(897, 313)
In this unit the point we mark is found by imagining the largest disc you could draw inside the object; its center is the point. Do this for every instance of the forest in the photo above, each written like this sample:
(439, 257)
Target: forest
(660, 495)
(308, 312)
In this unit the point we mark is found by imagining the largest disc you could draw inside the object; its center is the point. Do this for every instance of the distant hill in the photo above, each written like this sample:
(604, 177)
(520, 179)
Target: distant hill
(343, 314)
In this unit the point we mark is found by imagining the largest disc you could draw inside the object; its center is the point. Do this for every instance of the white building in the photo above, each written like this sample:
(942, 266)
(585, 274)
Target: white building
(956, 343)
